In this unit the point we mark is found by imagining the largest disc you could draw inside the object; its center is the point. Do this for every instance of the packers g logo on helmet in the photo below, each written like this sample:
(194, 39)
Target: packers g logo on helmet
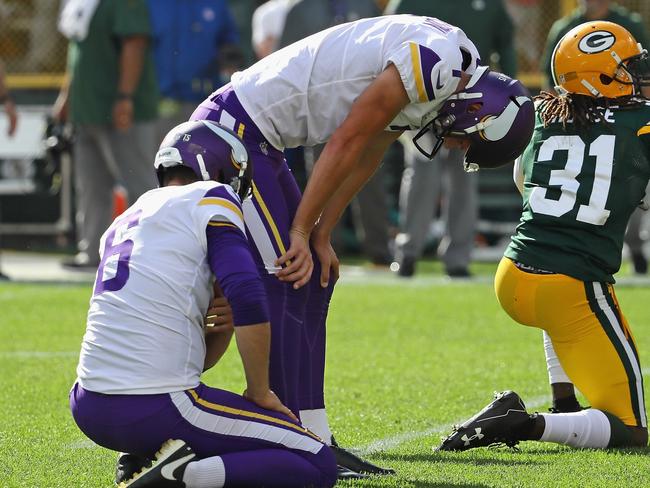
(596, 42)
(599, 59)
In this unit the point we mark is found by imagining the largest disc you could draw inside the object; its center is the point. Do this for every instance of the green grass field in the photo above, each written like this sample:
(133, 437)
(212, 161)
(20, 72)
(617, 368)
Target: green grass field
(406, 359)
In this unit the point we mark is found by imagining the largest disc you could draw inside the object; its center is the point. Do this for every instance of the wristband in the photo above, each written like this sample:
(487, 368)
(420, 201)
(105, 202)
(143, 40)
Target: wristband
(124, 96)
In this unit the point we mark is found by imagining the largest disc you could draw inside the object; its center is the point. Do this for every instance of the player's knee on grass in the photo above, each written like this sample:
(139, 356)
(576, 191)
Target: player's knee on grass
(639, 436)
(626, 435)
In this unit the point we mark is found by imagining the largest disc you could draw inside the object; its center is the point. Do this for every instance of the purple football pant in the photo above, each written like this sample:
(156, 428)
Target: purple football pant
(297, 365)
(258, 447)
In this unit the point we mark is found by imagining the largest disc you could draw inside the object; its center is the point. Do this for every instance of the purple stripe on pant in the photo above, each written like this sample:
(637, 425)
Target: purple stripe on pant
(139, 424)
(297, 316)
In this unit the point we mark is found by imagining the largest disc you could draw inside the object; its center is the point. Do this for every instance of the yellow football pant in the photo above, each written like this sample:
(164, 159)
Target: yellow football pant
(591, 337)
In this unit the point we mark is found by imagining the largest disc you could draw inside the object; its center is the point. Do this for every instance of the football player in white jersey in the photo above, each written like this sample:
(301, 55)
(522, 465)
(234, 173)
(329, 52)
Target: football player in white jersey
(146, 342)
(355, 87)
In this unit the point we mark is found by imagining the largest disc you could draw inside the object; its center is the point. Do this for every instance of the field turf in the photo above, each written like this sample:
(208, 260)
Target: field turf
(406, 359)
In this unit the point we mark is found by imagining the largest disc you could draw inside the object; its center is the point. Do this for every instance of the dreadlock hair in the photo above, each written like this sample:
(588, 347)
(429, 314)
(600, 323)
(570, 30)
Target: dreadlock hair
(581, 110)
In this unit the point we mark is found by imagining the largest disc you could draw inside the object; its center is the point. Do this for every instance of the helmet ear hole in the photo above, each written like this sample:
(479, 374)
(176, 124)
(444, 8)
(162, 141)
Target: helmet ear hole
(606, 80)
(474, 107)
(467, 59)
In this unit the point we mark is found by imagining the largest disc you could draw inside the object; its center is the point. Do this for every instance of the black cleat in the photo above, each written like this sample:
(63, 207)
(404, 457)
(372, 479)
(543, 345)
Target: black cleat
(128, 465)
(351, 463)
(167, 468)
(460, 272)
(501, 422)
(347, 474)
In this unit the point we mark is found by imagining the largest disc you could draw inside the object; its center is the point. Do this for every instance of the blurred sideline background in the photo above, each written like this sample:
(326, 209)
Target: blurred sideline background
(34, 52)
(36, 202)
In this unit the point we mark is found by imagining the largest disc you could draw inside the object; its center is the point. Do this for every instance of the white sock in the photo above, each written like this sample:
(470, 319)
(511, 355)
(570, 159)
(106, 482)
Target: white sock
(206, 473)
(556, 373)
(587, 428)
(316, 421)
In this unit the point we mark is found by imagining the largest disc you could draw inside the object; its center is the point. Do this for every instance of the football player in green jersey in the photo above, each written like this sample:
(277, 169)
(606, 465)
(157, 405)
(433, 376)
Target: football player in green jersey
(581, 177)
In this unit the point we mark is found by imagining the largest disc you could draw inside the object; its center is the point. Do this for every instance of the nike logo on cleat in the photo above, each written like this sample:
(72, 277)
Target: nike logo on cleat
(167, 471)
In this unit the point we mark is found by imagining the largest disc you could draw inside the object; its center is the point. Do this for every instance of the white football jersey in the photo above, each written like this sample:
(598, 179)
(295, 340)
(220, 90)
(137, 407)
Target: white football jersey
(299, 95)
(144, 331)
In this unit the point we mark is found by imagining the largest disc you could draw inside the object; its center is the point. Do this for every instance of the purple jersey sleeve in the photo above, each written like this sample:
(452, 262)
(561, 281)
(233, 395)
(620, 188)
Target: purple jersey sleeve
(233, 266)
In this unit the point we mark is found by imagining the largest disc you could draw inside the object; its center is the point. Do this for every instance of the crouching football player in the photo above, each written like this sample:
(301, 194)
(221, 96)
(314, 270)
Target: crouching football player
(583, 174)
(146, 345)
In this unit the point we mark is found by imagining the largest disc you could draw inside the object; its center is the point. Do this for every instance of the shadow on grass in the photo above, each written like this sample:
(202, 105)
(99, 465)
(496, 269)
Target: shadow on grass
(408, 483)
(562, 450)
(457, 458)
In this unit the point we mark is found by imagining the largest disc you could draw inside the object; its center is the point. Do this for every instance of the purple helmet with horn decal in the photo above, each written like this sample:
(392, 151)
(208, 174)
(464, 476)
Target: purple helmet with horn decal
(212, 151)
(494, 111)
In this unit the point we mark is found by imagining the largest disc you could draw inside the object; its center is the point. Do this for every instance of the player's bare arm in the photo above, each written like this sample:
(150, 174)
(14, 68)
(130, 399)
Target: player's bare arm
(320, 238)
(131, 63)
(253, 342)
(372, 112)
(219, 328)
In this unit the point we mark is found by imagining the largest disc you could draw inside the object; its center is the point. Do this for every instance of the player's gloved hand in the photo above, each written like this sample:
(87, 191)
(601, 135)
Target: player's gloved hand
(219, 315)
(270, 401)
(329, 261)
(298, 260)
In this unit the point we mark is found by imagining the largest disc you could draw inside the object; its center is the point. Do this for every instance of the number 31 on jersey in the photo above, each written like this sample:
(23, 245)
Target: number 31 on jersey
(566, 179)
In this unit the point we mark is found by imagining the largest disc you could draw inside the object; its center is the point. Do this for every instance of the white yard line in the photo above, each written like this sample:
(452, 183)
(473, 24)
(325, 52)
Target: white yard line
(393, 441)
(38, 354)
(83, 444)
(359, 275)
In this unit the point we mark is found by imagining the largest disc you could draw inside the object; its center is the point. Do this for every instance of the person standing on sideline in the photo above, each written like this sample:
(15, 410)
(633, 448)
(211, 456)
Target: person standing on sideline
(355, 87)
(583, 174)
(195, 52)
(488, 25)
(12, 117)
(177, 255)
(267, 26)
(111, 97)
(8, 104)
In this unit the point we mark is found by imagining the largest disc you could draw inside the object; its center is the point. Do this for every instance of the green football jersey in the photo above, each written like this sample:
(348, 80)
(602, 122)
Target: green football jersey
(579, 190)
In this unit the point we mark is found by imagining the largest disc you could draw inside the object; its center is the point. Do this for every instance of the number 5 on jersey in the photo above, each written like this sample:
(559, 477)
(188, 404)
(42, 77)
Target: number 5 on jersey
(113, 271)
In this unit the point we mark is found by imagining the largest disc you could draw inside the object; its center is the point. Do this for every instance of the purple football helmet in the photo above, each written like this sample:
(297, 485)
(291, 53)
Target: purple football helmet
(495, 111)
(212, 151)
